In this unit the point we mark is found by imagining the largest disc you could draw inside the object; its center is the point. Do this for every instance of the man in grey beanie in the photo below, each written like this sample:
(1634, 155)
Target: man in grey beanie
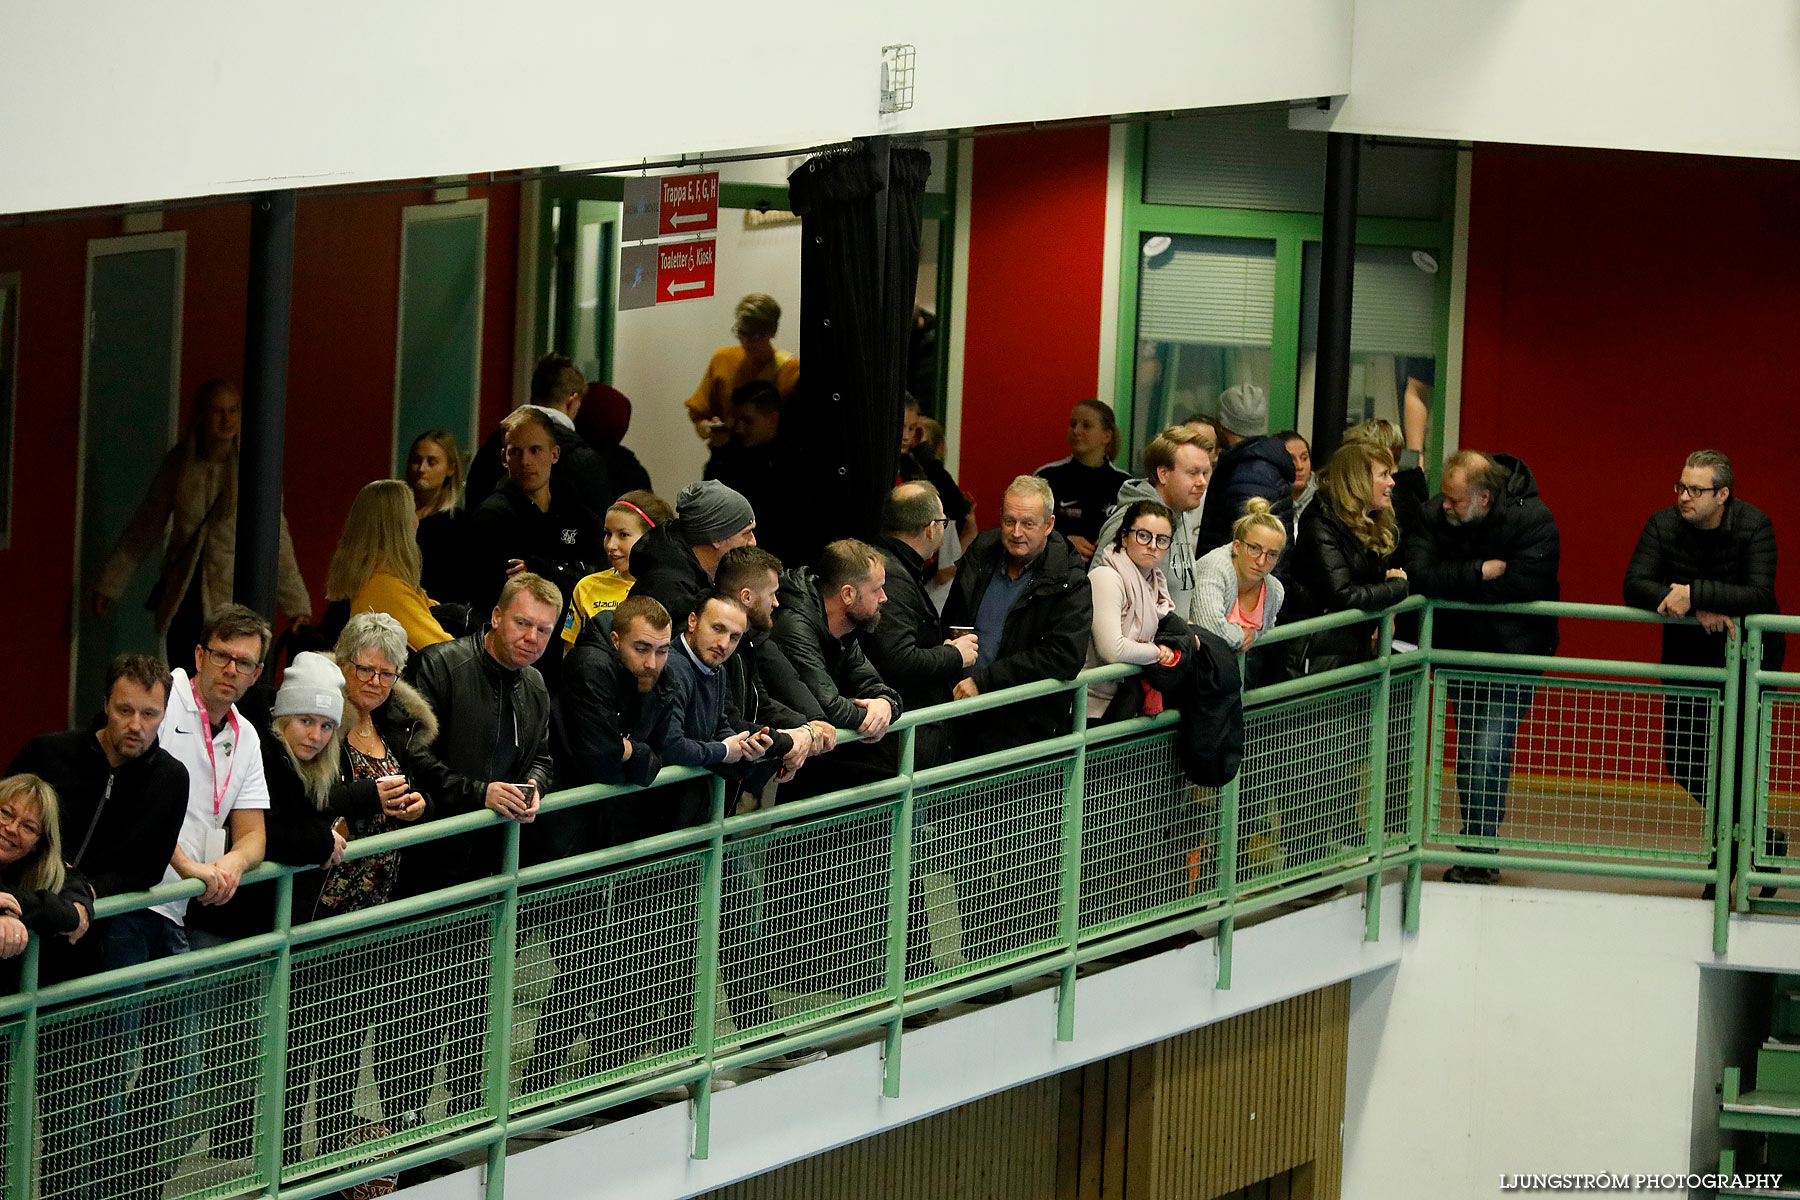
(1251, 463)
(675, 562)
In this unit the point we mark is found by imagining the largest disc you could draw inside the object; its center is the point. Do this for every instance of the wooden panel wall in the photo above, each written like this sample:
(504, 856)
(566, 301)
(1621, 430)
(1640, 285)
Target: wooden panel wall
(1250, 1108)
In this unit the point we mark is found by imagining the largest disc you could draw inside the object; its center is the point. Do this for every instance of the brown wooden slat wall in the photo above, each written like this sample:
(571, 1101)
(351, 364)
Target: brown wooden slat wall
(1250, 1107)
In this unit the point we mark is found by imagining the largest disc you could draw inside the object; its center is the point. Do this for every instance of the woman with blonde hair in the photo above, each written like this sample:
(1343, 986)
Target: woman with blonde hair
(38, 892)
(1348, 554)
(1236, 597)
(376, 565)
(435, 474)
(629, 518)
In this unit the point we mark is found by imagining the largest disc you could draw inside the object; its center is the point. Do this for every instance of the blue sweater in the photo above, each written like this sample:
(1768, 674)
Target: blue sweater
(696, 729)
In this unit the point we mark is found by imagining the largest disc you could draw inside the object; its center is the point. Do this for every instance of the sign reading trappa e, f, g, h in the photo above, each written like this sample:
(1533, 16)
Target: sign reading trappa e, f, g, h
(684, 270)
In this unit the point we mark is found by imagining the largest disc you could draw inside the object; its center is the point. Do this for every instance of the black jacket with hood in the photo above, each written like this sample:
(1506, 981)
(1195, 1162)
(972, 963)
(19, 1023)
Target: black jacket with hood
(597, 711)
(665, 569)
(1443, 561)
(1258, 466)
(834, 670)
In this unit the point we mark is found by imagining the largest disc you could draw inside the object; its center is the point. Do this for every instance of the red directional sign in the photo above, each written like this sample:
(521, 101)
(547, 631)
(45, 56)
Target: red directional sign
(684, 270)
(690, 203)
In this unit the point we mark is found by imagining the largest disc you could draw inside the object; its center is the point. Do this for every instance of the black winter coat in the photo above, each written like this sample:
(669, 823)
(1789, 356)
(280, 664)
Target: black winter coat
(907, 646)
(598, 709)
(665, 569)
(1046, 636)
(1333, 571)
(1444, 562)
(1206, 685)
(1728, 570)
(49, 915)
(463, 686)
(834, 670)
(1258, 466)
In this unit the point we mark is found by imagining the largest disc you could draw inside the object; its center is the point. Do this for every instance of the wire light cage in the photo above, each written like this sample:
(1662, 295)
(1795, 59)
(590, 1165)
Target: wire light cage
(897, 77)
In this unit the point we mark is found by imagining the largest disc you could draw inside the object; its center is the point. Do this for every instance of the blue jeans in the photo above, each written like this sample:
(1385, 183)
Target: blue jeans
(1487, 722)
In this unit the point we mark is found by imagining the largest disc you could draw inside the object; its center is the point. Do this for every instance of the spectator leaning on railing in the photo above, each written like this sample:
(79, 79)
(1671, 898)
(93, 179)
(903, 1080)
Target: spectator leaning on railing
(1711, 557)
(1130, 600)
(761, 685)
(1487, 538)
(1177, 464)
(1349, 553)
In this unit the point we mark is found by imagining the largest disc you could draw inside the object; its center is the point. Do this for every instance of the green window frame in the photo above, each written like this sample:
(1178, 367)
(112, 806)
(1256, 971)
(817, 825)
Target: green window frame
(1290, 231)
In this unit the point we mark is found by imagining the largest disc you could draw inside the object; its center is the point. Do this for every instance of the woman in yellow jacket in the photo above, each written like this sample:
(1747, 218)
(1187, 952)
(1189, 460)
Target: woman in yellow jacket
(375, 567)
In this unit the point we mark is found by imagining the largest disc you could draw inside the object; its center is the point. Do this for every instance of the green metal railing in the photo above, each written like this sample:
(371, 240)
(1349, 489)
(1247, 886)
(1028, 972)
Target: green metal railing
(549, 991)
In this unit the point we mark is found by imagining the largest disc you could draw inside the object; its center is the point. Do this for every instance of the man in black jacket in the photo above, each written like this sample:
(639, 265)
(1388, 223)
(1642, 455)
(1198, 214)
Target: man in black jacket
(1709, 556)
(675, 562)
(815, 624)
(1486, 539)
(1024, 591)
(530, 525)
(605, 726)
(123, 799)
(761, 685)
(493, 752)
(909, 646)
(582, 471)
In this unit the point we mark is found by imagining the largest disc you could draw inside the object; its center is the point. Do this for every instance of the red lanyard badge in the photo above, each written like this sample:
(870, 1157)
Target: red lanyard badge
(219, 785)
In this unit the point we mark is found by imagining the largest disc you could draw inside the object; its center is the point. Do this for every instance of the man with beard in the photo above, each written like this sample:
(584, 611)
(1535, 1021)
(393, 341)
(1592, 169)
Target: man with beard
(1488, 539)
(818, 615)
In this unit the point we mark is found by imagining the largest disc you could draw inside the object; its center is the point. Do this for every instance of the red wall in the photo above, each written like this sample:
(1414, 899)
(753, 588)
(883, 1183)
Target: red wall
(1037, 226)
(1624, 309)
(340, 392)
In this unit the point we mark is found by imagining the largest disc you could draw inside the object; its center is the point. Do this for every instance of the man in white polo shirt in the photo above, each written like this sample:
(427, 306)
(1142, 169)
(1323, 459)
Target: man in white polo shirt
(221, 838)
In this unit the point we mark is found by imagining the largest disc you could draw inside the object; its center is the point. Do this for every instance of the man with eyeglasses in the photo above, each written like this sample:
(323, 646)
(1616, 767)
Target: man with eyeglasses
(1710, 557)
(911, 646)
(1486, 538)
(1025, 592)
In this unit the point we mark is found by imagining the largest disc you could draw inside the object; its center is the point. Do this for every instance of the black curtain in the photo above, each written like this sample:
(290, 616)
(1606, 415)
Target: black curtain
(859, 267)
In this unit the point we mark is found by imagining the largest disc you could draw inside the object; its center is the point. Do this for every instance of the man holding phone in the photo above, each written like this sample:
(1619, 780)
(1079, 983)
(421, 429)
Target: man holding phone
(493, 752)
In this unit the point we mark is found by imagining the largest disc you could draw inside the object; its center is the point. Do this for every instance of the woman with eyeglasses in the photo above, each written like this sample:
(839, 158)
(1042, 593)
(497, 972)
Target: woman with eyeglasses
(757, 319)
(376, 566)
(38, 891)
(1348, 555)
(1131, 597)
(1236, 597)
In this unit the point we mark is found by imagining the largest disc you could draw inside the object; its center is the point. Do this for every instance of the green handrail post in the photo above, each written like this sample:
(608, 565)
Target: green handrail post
(1752, 778)
(1069, 900)
(1725, 788)
(706, 969)
(1375, 821)
(899, 912)
(1434, 769)
(22, 1087)
(1423, 755)
(275, 1020)
(505, 966)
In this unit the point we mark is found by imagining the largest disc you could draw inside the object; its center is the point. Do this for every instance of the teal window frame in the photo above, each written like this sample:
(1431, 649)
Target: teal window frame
(1290, 231)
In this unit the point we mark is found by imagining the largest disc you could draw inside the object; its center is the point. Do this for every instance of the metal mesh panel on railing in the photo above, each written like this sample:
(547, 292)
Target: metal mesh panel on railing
(156, 1088)
(1567, 766)
(803, 921)
(387, 1038)
(605, 985)
(9, 1055)
(1777, 811)
(1149, 839)
(1304, 785)
(986, 869)
(1404, 693)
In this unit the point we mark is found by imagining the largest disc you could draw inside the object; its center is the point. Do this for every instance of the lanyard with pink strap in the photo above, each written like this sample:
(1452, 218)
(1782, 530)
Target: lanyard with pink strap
(206, 735)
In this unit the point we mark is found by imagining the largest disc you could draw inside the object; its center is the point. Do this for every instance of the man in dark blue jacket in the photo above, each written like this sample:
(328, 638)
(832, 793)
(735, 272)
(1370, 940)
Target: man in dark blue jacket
(1252, 464)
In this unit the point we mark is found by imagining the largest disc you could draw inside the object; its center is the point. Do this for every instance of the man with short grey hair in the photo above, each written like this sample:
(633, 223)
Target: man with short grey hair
(1711, 557)
(1024, 591)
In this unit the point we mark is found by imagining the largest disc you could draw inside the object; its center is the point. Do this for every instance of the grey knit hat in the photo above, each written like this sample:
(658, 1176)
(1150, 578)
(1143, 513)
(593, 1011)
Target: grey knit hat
(1244, 410)
(711, 512)
(313, 686)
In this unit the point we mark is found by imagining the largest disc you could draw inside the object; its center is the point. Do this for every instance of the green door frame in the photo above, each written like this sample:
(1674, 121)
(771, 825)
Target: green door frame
(1290, 231)
(555, 266)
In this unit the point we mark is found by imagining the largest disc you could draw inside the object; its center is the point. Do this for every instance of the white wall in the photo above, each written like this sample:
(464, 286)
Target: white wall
(1720, 77)
(115, 100)
(1530, 1030)
(660, 353)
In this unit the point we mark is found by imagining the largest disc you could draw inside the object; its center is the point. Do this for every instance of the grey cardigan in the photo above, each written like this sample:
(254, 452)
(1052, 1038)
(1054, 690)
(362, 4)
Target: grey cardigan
(1215, 590)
